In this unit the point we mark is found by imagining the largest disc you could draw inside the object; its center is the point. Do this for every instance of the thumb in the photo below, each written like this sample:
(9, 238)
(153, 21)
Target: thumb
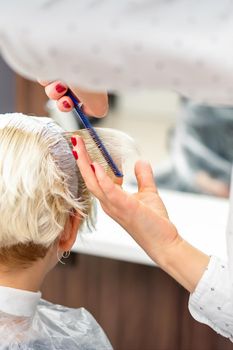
(145, 178)
(94, 103)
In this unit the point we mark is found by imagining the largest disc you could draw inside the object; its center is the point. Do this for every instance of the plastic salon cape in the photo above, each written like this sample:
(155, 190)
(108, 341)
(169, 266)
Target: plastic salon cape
(28, 322)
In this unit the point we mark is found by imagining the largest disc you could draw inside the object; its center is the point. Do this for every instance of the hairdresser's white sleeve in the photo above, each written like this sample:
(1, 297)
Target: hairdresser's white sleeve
(212, 301)
(180, 45)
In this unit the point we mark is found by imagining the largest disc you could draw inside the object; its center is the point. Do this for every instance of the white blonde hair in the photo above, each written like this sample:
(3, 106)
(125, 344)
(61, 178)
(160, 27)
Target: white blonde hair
(40, 183)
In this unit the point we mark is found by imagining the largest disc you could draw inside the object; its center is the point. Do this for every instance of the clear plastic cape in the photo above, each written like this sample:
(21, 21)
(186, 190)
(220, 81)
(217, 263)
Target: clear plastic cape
(52, 327)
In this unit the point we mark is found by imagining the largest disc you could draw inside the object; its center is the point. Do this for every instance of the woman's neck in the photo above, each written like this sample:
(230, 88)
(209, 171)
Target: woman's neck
(30, 278)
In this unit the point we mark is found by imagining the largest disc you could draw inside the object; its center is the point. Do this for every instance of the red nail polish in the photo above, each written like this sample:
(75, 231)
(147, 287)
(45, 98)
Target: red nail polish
(93, 168)
(66, 104)
(75, 154)
(74, 141)
(60, 88)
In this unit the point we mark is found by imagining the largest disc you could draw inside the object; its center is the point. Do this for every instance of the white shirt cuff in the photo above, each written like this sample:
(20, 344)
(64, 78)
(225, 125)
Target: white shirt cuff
(212, 301)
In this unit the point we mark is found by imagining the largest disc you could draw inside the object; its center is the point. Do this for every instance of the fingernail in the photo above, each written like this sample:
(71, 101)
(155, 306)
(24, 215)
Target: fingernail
(60, 88)
(93, 168)
(66, 104)
(74, 141)
(75, 154)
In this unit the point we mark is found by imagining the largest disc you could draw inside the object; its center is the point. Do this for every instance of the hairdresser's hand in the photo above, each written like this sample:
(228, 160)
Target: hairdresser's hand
(142, 214)
(94, 103)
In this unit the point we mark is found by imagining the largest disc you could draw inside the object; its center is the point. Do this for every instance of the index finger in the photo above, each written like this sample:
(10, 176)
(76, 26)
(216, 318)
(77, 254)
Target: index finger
(86, 168)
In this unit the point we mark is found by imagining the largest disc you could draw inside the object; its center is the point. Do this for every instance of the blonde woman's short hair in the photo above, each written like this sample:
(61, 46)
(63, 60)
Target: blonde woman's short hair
(40, 186)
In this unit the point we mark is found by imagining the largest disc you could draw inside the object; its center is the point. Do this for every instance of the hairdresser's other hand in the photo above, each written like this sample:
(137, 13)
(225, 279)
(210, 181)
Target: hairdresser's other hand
(142, 214)
(94, 103)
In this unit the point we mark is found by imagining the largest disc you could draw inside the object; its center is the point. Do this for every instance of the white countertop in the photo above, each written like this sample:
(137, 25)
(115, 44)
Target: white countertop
(201, 220)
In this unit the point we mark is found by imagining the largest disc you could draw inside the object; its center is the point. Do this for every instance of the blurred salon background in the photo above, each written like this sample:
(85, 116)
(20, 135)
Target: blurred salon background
(190, 147)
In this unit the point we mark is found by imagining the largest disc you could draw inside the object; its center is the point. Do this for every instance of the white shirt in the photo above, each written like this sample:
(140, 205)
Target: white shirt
(130, 44)
(179, 45)
(212, 301)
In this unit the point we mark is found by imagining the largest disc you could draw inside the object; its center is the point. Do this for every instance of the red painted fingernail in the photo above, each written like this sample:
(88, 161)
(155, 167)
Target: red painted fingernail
(74, 141)
(75, 154)
(60, 88)
(66, 104)
(93, 168)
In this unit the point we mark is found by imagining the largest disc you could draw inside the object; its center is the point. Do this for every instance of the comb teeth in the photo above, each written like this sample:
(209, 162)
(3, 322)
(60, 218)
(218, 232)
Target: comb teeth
(94, 135)
(104, 152)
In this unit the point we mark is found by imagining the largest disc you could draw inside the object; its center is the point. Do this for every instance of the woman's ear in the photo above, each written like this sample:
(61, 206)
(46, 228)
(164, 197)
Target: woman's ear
(69, 234)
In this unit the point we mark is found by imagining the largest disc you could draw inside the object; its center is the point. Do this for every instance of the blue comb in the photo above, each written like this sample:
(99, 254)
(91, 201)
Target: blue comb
(87, 125)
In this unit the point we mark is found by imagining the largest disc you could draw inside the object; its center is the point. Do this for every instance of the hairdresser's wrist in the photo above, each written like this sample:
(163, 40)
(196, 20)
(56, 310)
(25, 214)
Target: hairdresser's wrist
(183, 262)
